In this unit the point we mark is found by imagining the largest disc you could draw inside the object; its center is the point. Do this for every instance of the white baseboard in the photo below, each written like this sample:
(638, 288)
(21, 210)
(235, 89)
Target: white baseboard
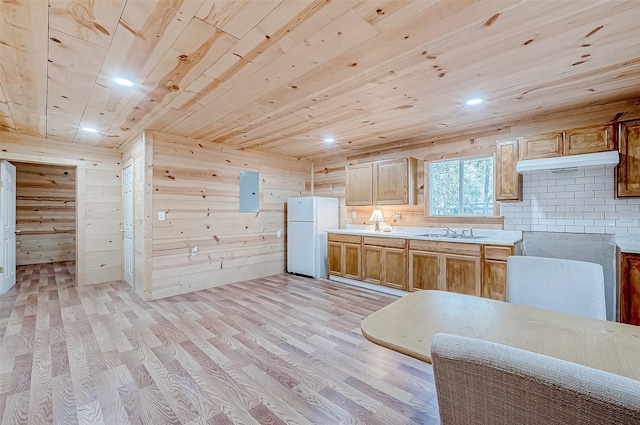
(371, 286)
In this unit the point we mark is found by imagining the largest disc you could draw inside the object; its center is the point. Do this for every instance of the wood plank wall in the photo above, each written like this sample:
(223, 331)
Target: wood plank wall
(197, 185)
(329, 180)
(329, 175)
(99, 199)
(45, 213)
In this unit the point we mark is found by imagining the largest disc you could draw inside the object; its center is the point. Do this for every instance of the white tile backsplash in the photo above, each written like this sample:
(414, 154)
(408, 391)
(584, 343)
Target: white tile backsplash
(577, 202)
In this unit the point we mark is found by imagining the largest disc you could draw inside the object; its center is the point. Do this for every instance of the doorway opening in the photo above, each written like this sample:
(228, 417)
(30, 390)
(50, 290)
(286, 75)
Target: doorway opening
(46, 214)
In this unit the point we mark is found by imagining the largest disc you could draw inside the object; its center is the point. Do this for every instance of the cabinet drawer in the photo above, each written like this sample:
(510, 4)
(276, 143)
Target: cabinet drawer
(337, 237)
(499, 253)
(445, 247)
(389, 242)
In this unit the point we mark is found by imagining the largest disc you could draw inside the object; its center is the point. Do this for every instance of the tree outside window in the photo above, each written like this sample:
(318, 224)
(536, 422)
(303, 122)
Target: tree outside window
(461, 187)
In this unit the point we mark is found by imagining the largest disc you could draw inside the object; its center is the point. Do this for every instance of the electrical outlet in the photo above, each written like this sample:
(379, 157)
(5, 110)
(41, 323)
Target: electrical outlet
(278, 234)
(353, 215)
(397, 216)
(194, 250)
(161, 215)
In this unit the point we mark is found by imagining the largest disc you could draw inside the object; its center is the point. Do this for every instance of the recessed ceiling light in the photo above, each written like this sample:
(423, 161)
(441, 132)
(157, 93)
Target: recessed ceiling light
(89, 130)
(329, 140)
(474, 101)
(123, 82)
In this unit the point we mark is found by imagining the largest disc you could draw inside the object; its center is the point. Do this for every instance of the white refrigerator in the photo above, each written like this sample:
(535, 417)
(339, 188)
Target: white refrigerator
(308, 219)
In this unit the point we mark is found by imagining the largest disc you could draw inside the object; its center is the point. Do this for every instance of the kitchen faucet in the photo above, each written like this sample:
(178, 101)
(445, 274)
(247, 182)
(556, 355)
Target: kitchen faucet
(450, 231)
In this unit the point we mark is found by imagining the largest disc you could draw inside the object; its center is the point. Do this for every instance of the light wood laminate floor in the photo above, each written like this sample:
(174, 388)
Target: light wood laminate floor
(276, 350)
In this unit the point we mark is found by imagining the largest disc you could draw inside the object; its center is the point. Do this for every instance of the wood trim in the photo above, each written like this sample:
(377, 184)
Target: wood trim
(425, 183)
(425, 142)
(148, 211)
(80, 225)
(464, 220)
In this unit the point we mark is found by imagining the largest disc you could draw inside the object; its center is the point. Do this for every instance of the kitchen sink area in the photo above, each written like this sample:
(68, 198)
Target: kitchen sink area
(461, 235)
(451, 236)
(398, 260)
(474, 250)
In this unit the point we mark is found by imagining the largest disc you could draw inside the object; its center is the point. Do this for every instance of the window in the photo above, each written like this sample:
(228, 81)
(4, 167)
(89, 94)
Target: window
(461, 187)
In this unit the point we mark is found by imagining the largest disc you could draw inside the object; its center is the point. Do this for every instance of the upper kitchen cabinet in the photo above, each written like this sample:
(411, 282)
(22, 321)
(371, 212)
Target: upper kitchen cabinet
(541, 146)
(508, 182)
(394, 182)
(583, 140)
(390, 182)
(628, 170)
(359, 184)
(598, 138)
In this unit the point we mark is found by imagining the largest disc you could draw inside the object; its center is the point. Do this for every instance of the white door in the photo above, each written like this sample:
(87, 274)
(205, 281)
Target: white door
(8, 228)
(127, 199)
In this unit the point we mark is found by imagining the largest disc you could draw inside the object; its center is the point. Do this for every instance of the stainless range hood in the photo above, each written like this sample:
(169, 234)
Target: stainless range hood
(569, 162)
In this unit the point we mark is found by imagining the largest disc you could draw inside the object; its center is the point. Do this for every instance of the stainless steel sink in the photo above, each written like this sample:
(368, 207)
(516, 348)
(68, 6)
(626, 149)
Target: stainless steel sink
(450, 236)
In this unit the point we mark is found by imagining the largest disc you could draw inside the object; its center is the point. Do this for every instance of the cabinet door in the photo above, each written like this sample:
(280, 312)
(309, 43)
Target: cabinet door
(390, 182)
(351, 261)
(628, 170)
(372, 264)
(494, 280)
(542, 146)
(334, 258)
(630, 289)
(462, 274)
(395, 268)
(494, 271)
(424, 270)
(359, 187)
(508, 182)
(588, 140)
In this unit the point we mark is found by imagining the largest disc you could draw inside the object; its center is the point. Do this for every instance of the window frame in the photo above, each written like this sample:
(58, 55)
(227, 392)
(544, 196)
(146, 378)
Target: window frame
(428, 183)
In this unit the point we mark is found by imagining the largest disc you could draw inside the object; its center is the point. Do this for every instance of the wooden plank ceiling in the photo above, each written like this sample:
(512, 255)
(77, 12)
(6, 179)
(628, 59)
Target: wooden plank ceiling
(280, 75)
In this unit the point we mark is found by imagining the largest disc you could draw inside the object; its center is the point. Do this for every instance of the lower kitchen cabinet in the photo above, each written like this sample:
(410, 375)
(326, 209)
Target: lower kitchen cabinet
(343, 252)
(630, 288)
(448, 266)
(494, 280)
(462, 274)
(372, 260)
(424, 270)
(494, 269)
(384, 261)
(413, 265)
